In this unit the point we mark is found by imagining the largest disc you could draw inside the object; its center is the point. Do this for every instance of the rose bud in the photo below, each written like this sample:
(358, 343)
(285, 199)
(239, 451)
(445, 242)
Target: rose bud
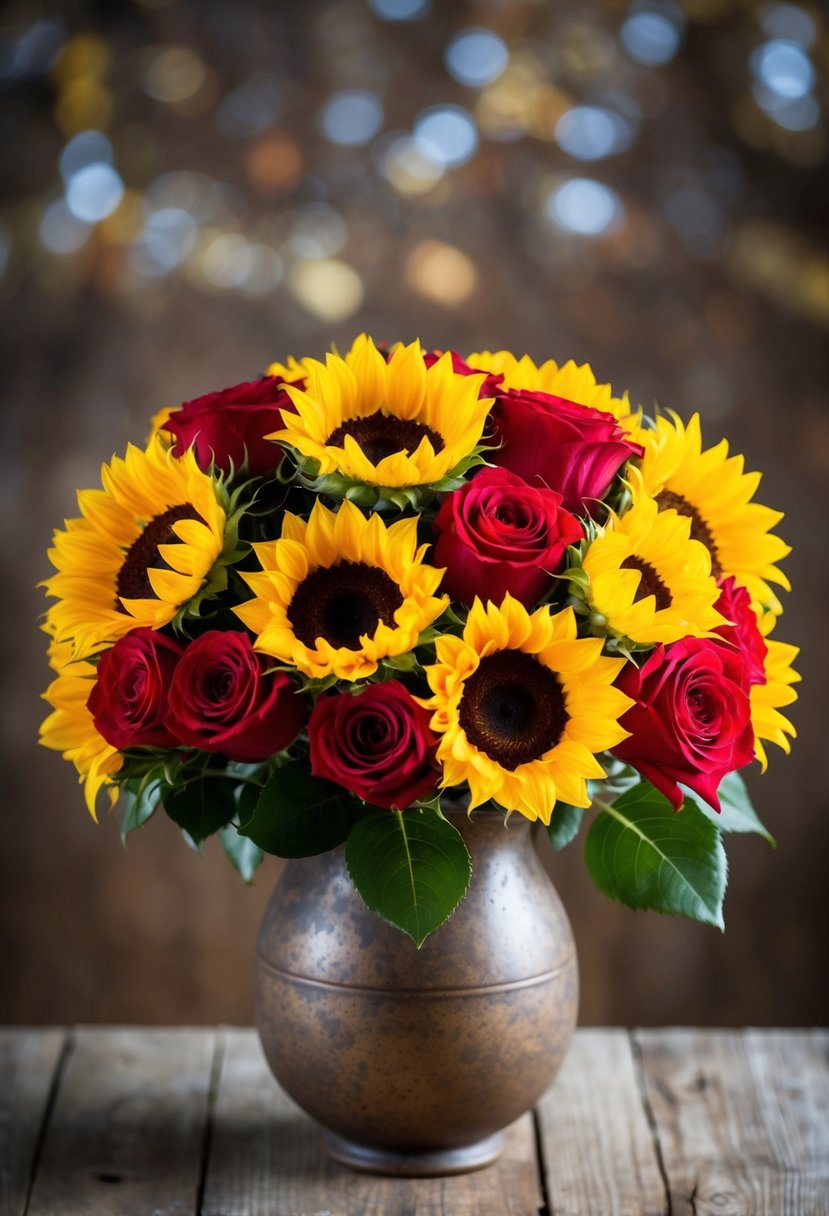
(499, 534)
(743, 632)
(377, 744)
(128, 701)
(692, 719)
(230, 426)
(223, 699)
(574, 449)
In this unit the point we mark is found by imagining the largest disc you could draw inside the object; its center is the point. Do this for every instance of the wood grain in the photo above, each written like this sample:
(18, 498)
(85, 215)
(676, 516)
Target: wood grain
(28, 1063)
(743, 1119)
(127, 1132)
(267, 1157)
(597, 1149)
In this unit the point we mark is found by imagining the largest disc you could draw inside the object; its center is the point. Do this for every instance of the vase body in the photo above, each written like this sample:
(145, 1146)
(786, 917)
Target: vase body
(416, 1060)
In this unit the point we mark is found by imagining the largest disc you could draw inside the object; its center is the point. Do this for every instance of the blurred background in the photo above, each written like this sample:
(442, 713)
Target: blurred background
(193, 188)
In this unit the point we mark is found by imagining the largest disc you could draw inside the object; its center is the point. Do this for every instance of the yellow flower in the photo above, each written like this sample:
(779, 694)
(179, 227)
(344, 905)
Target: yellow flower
(649, 581)
(767, 699)
(523, 705)
(710, 488)
(340, 593)
(568, 380)
(143, 548)
(69, 729)
(392, 424)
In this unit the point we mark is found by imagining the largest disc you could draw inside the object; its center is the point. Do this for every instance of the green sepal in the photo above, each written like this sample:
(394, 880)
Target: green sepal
(413, 869)
(644, 854)
(298, 815)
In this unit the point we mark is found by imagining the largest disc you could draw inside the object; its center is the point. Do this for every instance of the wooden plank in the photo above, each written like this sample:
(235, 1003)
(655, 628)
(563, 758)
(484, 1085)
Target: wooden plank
(127, 1131)
(267, 1157)
(597, 1148)
(742, 1119)
(28, 1064)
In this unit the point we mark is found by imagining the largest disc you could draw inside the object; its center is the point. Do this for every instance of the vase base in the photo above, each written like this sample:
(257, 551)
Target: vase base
(435, 1163)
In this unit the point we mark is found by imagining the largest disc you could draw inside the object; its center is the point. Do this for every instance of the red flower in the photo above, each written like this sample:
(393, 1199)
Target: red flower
(129, 699)
(573, 449)
(498, 534)
(377, 744)
(222, 699)
(232, 424)
(743, 632)
(692, 718)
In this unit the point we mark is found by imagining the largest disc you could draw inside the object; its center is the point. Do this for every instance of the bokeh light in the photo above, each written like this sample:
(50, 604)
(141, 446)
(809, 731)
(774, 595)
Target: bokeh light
(94, 192)
(651, 36)
(400, 10)
(352, 118)
(446, 135)
(592, 133)
(476, 57)
(584, 206)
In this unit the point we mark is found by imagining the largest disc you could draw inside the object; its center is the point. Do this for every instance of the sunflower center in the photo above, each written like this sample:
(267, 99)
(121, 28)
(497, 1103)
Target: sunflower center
(380, 435)
(132, 582)
(512, 708)
(667, 500)
(343, 602)
(649, 582)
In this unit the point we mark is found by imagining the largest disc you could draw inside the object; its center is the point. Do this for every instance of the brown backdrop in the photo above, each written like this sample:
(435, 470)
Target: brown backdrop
(711, 293)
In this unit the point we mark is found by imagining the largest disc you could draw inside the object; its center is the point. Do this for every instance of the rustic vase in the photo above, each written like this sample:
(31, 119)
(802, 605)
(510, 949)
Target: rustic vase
(414, 1061)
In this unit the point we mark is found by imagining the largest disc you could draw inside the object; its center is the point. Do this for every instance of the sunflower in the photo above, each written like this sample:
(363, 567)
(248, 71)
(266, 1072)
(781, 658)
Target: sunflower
(144, 546)
(767, 699)
(340, 593)
(568, 380)
(649, 581)
(393, 424)
(710, 488)
(523, 705)
(69, 729)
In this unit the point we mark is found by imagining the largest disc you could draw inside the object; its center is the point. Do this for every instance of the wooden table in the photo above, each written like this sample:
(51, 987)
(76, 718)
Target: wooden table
(126, 1122)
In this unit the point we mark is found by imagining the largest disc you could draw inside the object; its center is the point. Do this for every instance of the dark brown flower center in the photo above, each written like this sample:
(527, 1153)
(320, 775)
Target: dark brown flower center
(700, 531)
(512, 708)
(343, 602)
(650, 583)
(382, 435)
(133, 582)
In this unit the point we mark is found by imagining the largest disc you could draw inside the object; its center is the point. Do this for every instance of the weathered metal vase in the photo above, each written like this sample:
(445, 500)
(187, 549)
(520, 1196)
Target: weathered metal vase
(416, 1060)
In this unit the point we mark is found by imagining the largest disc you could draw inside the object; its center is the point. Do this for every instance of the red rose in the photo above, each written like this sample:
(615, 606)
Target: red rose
(225, 427)
(572, 448)
(692, 719)
(377, 744)
(743, 632)
(498, 534)
(222, 699)
(128, 701)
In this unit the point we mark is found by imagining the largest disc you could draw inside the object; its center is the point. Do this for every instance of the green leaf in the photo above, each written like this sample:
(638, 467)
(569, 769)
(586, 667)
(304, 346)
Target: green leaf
(298, 815)
(412, 868)
(738, 814)
(202, 806)
(564, 824)
(139, 805)
(243, 854)
(646, 855)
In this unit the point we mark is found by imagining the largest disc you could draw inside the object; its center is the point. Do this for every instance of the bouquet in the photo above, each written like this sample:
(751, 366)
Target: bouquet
(345, 602)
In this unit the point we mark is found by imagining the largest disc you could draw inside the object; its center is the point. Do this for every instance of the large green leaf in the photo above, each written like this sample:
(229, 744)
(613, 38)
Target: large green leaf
(202, 806)
(646, 855)
(412, 868)
(737, 814)
(242, 853)
(298, 815)
(564, 824)
(139, 804)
